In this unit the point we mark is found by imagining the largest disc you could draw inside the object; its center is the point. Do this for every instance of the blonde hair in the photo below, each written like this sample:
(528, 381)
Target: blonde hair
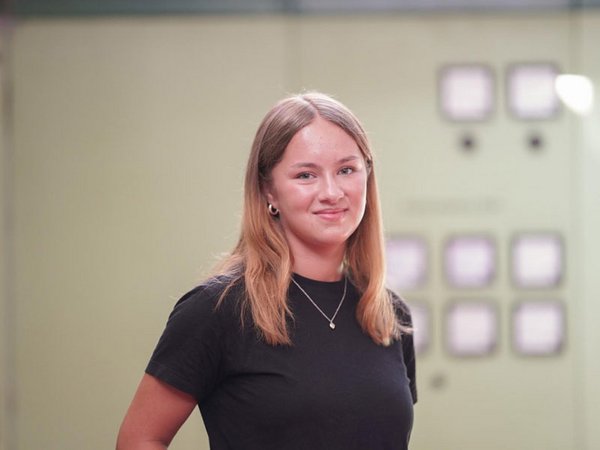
(262, 256)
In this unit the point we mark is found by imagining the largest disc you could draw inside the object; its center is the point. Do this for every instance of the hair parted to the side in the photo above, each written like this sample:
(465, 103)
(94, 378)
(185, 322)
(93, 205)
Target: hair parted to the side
(262, 256)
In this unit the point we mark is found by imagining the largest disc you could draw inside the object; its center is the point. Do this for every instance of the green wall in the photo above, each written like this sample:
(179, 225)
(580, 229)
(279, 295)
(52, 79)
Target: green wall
(129, 141)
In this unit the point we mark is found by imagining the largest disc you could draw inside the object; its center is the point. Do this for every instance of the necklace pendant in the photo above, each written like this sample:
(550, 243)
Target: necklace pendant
(332, 325)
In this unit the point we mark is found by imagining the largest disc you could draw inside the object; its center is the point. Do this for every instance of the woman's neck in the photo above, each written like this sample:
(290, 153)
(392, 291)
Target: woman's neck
(319, 266)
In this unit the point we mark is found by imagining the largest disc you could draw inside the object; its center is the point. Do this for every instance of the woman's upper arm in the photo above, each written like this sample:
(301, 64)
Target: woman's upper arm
(154, 416)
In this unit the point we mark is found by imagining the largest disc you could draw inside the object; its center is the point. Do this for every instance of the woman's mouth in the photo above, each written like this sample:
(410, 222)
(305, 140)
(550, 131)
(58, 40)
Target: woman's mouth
(331, 213)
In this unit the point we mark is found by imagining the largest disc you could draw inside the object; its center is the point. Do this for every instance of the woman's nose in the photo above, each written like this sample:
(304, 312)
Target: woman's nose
(331, 190)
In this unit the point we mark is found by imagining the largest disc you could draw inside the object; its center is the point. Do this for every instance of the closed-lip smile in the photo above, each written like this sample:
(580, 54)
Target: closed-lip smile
(330, 212)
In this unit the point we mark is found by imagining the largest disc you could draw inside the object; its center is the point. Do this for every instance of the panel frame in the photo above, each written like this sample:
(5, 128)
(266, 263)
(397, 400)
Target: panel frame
(427, 275)
(486, 118)
(563, 260)
(483, 301)
(510, 112)
(565, 329)
(426, 307)
(496, 259)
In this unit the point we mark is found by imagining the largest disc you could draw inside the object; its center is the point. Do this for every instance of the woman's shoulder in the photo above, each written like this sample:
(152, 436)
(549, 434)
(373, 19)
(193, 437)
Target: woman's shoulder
(217, 293)
(401, 308)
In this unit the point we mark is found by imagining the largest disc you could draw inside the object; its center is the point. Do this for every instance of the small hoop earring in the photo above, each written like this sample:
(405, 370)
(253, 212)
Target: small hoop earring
(272, 210)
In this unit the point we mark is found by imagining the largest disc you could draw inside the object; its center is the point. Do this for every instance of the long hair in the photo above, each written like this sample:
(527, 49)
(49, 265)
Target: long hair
(262, 256)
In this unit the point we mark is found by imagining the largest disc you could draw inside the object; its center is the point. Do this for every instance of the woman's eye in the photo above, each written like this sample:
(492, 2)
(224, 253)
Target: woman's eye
(304, 176)
(346, 170)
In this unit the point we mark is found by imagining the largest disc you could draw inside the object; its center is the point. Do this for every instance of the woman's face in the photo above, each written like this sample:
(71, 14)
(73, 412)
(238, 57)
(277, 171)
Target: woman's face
(319, 188)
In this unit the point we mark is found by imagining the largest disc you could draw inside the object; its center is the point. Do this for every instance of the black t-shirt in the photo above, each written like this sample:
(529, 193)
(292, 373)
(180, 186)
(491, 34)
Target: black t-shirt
(331, 389)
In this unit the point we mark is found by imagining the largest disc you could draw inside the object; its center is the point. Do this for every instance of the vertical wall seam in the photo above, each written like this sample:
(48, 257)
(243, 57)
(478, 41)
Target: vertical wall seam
(9, 387)
(577, 303)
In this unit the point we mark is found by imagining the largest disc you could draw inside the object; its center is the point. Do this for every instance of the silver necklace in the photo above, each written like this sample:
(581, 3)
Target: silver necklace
(330, 320)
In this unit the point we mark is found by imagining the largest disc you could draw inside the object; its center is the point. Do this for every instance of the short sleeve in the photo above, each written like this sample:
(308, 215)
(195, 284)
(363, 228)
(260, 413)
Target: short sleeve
(408, 346)
(189, 352)
(408, 350)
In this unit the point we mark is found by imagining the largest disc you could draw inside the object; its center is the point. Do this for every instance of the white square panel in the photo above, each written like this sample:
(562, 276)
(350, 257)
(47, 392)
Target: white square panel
(471, 328)
(470, 261)
(421, 319)
(531, 91)
(537, 260)
(466, 92)
(538, 327)
(406, 262)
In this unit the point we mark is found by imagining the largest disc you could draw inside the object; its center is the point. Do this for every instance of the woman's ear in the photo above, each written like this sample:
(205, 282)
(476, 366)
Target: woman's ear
(269, 195)
(369, 165)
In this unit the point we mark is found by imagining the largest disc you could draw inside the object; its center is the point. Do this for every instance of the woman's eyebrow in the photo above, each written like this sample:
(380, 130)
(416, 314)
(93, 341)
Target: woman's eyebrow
(348, 159)
(308, 165)
(312, 165)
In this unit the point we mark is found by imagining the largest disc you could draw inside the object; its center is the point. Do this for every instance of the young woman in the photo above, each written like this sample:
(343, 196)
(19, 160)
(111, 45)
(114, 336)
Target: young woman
(295, 343)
